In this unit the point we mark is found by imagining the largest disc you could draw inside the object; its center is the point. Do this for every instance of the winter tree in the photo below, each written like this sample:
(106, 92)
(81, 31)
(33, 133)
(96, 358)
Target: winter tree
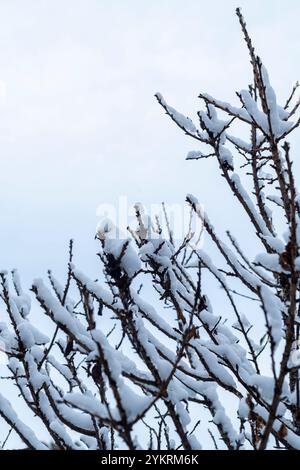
(140, 358)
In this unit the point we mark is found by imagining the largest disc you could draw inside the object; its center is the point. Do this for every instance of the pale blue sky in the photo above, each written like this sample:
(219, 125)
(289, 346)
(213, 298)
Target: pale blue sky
(80, 126)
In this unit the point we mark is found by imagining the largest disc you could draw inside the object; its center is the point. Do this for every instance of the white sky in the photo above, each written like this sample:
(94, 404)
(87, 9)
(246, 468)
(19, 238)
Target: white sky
(80, 126)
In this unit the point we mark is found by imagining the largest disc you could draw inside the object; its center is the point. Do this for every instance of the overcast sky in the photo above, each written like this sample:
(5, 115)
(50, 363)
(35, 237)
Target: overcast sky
(79, 125)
